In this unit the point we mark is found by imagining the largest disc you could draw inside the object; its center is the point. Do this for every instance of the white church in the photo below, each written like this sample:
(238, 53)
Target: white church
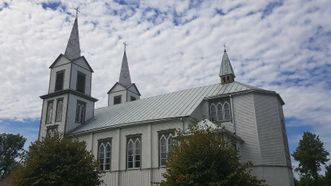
(132, 136)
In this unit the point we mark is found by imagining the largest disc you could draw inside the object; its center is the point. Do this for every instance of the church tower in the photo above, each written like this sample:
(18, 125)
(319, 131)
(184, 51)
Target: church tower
(123, 90)
(226, 71)
(68, 103)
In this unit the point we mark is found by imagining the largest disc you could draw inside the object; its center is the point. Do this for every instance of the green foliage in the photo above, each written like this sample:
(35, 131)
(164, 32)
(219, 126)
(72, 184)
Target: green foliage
(58, 161)
(206, 157)
(11, 150)
(310, 154)
(327, 178)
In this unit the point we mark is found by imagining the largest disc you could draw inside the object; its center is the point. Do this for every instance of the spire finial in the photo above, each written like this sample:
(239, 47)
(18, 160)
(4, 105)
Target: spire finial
(77, 11)
(224, 48)
(125, 45)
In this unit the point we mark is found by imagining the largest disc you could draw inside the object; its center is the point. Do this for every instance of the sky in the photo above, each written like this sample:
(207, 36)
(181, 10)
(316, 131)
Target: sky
(277, 45)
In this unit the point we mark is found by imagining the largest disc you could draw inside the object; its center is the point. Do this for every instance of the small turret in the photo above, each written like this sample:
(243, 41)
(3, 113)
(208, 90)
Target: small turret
(226, 71)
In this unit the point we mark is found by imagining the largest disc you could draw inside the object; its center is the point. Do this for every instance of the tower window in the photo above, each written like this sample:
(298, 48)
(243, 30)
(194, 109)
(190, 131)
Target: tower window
(133, 98)
(59, 80)
(134, 152)
(80, 86)
(80, 112)
(49, 112)
(59, 109)
(104, 155)
(117, 100)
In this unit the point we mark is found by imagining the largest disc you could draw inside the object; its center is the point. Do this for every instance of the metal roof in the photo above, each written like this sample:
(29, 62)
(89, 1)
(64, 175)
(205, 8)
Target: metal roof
(172, 105)
(226, 67)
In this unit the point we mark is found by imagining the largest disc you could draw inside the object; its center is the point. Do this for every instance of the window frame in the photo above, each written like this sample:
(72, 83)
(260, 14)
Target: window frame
(212, 105)
(83, 84)
(82, 114)
(52, 130)
(134, 139)
(49, 112)
(57, 113)
(168, 134)
(105, 142)
(224, 111)
(57, 82)
(120, 98)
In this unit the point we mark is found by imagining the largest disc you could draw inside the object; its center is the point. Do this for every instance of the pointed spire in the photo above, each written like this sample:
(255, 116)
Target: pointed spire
(226, 72)
(125, 78)
(73, 47)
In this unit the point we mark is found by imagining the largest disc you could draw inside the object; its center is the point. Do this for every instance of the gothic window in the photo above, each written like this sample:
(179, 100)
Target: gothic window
(133, 152)
(80, 86)
(226, 110)
(49, 112)
(80, 112)
(59, 109)
(165, 147)
(104, 155)
(117, 100)
(219, 112)
(213, 113)
(51, 131)
(59, 80)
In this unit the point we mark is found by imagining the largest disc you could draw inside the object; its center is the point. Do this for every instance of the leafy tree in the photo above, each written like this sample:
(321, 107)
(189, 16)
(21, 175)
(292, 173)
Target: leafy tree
(58, 161)
(206, 157)
(327, 178)
(11, 150)
(311, 155)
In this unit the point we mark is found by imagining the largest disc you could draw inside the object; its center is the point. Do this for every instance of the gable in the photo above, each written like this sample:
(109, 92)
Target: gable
(117, 87)
(82, 62)
(133, 88)
(60, 60)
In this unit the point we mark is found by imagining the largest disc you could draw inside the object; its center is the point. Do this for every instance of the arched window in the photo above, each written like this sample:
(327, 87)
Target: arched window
(134, 152)
(219, 112)
(108, 156)
(104, 154)
(213, 116)
(165, 147)
(101, 156)
(226, 110)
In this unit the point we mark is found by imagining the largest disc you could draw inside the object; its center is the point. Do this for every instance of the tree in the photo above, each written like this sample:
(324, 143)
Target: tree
(327, 178)
(11, 150)
(310, 154)
(58, 161)
(206, 157)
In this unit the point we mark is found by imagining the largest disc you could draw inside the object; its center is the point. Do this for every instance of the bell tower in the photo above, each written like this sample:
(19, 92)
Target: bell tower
(68, 103)
(123, 90)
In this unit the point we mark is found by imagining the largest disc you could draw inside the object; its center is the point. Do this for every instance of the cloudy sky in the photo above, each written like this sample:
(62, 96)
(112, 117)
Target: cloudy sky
(172, 44)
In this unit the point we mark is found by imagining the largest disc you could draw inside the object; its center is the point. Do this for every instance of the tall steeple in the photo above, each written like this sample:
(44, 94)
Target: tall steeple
(226, 72)
(125, 78)
(73, 47)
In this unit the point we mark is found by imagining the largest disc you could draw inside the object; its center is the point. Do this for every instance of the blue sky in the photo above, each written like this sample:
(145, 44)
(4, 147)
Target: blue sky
(278, 45)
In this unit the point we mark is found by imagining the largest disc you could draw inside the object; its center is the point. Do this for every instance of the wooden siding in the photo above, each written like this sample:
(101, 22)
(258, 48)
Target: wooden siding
(269, 130)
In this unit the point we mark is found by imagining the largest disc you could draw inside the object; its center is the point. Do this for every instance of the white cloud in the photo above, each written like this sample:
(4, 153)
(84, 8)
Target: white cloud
(271, 53)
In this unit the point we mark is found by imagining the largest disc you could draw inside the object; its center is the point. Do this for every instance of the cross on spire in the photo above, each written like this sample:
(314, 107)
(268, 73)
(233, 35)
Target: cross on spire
(77, 11)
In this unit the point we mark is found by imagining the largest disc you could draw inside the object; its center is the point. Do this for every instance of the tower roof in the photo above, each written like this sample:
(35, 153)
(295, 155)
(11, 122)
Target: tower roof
(226, 67)
(125, 78)
(73, 47)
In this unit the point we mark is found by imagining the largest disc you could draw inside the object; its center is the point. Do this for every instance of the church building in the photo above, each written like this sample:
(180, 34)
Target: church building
(132, 136)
